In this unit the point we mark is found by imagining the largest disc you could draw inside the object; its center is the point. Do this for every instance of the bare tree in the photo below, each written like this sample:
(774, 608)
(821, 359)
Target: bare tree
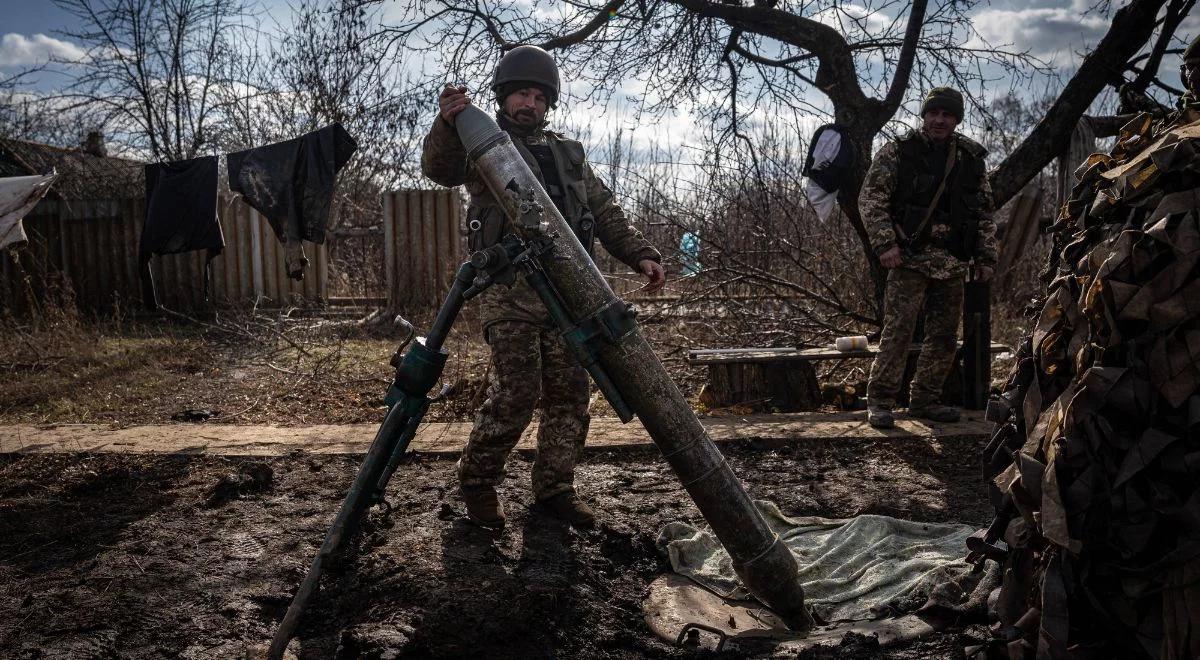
(1132, 27)
(331, 70)
(150, 69)
(726, 58)
(28, 115)
(323, 68)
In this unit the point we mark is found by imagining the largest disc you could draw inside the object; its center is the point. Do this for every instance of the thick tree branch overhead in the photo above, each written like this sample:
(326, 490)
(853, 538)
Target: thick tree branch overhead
(600, 20)
(1177, 10)
(744, 66)
(836, 75)
(1131, 28)
(904, 62)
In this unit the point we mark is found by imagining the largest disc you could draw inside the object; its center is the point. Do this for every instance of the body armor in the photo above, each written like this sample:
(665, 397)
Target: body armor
(954, 223)
(558, 164)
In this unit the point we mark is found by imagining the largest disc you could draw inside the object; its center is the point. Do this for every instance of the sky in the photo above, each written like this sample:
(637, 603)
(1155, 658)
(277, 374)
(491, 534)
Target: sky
(1056, 31)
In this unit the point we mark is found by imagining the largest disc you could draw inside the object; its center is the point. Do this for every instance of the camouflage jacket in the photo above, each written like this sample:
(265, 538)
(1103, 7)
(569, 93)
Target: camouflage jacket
(590, 207)
(930, 259)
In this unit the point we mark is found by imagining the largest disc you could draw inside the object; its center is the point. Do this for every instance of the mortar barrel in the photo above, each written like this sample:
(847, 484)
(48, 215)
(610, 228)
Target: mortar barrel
(765, 565)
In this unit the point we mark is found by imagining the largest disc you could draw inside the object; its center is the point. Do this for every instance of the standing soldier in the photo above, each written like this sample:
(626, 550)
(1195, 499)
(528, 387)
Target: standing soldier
(927, 207)
(530, 361)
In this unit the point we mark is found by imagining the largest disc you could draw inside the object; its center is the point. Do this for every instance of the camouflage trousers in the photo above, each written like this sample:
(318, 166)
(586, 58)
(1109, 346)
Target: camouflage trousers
(530, 362)
(943, 299)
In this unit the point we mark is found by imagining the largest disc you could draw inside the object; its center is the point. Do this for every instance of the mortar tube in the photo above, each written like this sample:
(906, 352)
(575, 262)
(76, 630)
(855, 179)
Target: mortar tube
(765, 565)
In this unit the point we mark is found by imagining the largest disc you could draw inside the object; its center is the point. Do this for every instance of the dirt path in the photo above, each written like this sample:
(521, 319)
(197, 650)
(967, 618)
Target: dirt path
(447, 438)
(136, 555)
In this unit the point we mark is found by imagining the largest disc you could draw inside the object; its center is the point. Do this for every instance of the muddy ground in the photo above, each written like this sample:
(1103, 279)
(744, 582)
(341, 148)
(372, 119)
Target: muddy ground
(111, 556)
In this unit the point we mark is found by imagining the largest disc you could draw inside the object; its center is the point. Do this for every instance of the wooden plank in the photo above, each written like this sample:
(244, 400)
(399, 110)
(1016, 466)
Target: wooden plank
(412, 232)
(107, 253)
(447, 438)
(129, 238)
(389, 247)
(269, 246)
(428, 247)
(245, 290)
(440, 249)
(85, 227)
(747, 355)
(117, 253)
(256, 252)
(317, 293)
(224, 267)
(233, 255)
(133, 237)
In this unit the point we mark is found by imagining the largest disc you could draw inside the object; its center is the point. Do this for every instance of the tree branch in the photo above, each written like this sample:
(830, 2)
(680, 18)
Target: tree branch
(836, 75)
(597, 22)
(1131, 27)
(1177, 10)
(908, 53)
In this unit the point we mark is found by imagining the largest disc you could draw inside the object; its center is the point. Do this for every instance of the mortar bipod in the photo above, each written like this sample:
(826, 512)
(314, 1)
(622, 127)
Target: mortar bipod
(417, 371)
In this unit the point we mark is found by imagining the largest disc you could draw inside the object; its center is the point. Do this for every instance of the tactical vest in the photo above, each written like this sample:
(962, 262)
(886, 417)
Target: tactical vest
(485, 219)
(919, 172)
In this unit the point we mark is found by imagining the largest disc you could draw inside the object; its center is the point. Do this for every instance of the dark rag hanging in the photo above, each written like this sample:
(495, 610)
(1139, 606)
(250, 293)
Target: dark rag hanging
(291, 183)
(181, 216)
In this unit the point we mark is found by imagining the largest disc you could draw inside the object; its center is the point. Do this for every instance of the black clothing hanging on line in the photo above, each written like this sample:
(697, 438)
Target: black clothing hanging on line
(181, 216)
(291, 183)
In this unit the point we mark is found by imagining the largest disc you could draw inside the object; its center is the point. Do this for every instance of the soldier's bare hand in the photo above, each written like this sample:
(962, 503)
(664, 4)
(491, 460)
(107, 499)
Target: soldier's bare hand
(452, 101)
(891, 258)
(655, 275)
(984, 273)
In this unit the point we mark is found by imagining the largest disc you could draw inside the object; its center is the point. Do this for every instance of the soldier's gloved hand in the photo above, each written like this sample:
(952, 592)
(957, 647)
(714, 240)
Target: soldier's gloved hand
(655, 275)
(452, 101)
(891, 258)
(984, 273)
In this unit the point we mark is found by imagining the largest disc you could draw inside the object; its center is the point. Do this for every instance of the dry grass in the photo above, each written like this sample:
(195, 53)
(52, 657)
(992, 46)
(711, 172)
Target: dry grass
(270, 368)
(245, 369)
(253, 368)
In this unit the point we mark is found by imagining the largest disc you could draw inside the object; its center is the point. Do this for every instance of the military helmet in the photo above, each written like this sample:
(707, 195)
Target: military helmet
(526, 64)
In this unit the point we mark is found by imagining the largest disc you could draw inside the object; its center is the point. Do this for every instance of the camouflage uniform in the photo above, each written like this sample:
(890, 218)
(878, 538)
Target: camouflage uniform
(929, 273)
(529, 359)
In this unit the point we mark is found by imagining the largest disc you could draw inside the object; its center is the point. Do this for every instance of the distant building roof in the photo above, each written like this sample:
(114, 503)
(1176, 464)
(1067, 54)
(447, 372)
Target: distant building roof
(83, 175)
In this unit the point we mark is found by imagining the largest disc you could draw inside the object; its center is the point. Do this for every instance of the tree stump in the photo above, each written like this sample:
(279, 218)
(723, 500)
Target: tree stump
(784, 386)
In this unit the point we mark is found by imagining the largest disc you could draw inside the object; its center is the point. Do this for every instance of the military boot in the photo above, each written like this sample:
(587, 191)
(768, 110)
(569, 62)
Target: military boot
(880, 417)
(936, 412)
(568, 507)
(483, 506)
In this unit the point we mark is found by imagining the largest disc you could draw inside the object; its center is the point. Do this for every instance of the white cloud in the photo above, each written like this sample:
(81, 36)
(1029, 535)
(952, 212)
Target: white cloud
(20, 50)
(1052, 34)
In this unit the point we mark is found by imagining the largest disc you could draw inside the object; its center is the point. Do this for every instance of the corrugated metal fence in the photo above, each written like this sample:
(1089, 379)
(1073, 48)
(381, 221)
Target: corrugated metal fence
(92, 246)
(423, 245)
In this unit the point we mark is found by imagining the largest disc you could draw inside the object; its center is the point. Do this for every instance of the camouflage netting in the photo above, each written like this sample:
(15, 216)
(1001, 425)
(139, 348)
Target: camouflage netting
(1095, 460)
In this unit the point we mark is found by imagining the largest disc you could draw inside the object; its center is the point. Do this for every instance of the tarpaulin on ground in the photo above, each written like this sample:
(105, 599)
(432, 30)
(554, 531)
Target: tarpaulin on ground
(855, 569)
(291, 183)
(18, 196)
(181, 216)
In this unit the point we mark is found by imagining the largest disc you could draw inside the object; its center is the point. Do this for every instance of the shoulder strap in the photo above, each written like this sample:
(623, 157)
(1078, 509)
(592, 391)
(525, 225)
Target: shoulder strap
(937, 196)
